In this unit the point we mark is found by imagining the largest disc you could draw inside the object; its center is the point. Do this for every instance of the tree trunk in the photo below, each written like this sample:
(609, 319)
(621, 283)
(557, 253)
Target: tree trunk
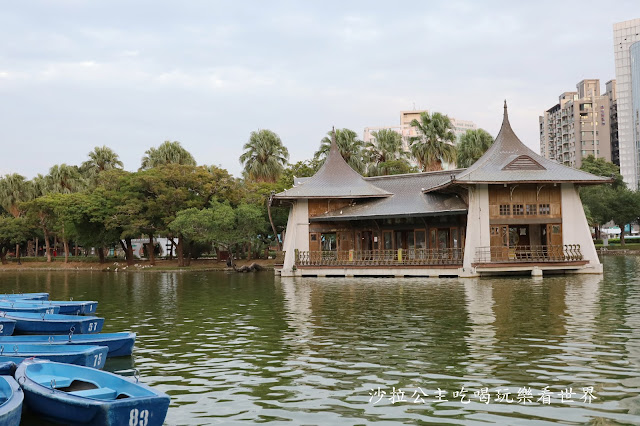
(101, 254)
(188, 259)
(127, 246)
(171, 245)
(65, 244)
(180, 251)
(18, 254)
(151, 250)
(249, 251)
(37, 241)
(622, 236)
(3, 256)
(47, 246)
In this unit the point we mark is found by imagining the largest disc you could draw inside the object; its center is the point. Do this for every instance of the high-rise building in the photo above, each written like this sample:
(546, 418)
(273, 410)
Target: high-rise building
(577, 126)
(613, 118)
(407, 131)
(626, 36)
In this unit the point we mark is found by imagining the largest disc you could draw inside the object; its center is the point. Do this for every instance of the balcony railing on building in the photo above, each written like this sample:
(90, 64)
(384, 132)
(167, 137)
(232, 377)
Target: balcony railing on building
(361, 258)
(526, 254)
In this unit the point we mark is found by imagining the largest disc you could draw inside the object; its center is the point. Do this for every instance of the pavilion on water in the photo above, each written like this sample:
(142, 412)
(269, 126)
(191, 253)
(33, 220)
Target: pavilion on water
(511, 211)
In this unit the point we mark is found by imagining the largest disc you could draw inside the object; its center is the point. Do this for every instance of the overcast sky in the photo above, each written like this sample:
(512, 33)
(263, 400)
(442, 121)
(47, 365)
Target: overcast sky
(132, 74)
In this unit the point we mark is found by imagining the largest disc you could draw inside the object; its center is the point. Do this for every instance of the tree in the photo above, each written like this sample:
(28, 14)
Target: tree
(385, 155)
(305, 168)
(100, 159)
(13, 231)
(350, 147)
(601, 167)
(64, 179)
(167, 153)
(264, 156)
(14, 189)
(435, 141)
(624, 206)
(473, 144)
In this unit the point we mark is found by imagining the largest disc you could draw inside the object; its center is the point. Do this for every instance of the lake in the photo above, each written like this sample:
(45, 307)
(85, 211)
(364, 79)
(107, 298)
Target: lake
(253, 348)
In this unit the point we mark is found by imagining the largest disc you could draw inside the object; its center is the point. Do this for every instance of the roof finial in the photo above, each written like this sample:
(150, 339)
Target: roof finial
(333, 135)
(506, 115)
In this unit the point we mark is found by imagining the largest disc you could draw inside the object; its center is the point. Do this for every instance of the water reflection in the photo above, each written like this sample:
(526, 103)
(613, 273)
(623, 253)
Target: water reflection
(253, 348)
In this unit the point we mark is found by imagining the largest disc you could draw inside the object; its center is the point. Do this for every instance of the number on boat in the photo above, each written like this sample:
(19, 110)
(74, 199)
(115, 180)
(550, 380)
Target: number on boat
(93, 326)
(50, 311)
(1, 328)
(97, 360)
(138, 418)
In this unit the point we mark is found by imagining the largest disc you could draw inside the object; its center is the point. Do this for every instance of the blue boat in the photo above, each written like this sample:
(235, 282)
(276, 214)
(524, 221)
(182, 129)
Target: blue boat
(70, 307)
(7, 326)
(89, 356)
(30, 323)
(19, 306)
(31, 296)
(119, 344)
(11, 398)
(79, 395)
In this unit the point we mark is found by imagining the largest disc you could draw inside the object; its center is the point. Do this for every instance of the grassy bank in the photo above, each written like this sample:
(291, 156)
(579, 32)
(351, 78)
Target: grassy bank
(119, 265)
(618, 247)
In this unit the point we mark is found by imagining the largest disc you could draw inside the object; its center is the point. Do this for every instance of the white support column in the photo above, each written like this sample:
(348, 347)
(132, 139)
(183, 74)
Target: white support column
(575, 229)
(477, 226)
(297, 235)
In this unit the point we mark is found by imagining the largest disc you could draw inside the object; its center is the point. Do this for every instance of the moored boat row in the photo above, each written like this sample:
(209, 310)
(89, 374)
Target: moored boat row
(60, 357)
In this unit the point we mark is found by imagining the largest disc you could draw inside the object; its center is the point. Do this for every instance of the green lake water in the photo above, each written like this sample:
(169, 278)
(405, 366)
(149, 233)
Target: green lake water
(253, 348)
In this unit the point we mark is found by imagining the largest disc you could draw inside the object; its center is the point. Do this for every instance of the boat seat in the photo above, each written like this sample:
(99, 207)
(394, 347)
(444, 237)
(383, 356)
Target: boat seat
(61, 382)
(99, 393)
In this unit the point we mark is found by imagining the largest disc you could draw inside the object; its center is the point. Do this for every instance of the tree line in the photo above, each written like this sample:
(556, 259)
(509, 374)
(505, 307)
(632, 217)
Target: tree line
(98, 205)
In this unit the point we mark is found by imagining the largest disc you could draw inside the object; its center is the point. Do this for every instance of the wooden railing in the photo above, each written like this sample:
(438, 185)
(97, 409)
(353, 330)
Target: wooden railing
(519, 254)
(447, 256)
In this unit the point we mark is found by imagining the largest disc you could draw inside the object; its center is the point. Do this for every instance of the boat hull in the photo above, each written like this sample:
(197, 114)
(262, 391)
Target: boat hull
(7, 326)
(119, 344)
(101, 405)
(28, 323)
(42, 309)
(11, 409)
(26, 296)
(84, 355)
(80, 307)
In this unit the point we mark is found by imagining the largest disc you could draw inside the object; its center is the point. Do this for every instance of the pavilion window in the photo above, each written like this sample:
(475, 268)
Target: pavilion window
(544, 209)
(532, 209)
(329, 242)
(518, 210)
(505, 209)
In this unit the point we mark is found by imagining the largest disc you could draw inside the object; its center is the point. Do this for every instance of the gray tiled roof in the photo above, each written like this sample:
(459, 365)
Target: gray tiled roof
(408, 198)
(335, 179)
(507, 148)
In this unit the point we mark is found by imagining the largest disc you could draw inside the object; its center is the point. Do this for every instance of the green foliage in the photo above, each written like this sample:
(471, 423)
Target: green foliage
(300, 169)
(350, 146)
(167, 153)
(601, 167)
(473, 144)
(385, 155)
(264, 156)
(435, 141)
(13, 230)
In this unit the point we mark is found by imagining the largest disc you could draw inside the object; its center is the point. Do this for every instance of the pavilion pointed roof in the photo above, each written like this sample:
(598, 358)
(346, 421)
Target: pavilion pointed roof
(335, 179)
(508, 160)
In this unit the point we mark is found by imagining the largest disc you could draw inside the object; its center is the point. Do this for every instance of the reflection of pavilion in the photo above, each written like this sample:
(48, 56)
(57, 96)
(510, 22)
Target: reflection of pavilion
(512, 210)
(481, 339)
(297, 296)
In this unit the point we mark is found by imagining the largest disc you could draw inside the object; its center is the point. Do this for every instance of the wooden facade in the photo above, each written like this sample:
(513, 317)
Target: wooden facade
(524, 215)
(406, 233)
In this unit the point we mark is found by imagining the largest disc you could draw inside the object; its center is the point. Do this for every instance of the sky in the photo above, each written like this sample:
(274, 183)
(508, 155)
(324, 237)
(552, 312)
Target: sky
(132, 74)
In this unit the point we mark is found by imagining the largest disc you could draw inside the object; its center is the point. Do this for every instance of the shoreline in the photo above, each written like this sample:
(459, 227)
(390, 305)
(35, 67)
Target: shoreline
(161, 265)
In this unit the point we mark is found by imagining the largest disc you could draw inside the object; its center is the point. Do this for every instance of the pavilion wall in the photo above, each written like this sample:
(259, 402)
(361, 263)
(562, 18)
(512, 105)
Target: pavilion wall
(575, 228)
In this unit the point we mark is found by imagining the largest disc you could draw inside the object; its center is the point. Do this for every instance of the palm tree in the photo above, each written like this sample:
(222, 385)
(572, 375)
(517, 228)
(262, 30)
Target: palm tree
(350, 147)
(435, 141)
(64, 179)
(167, 153)
(14, 189)
(101, 159)
(472, 145)
(385, 153)
(264, 156)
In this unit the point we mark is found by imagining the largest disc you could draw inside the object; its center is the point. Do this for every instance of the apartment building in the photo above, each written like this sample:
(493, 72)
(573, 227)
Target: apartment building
(579, 125)
(613, 117)
(407, 131)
